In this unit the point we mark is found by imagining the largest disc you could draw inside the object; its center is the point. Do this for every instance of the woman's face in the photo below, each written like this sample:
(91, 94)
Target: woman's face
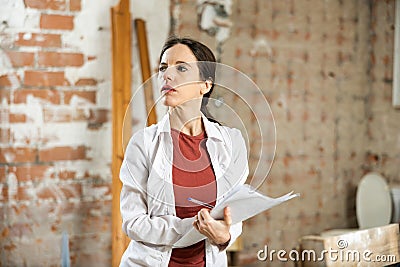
(179, 76)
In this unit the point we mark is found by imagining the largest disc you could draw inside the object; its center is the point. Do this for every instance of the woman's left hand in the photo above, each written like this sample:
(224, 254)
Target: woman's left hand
(216, 230)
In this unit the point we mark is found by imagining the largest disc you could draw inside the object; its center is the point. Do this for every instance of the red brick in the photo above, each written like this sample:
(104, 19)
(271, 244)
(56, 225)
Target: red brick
(3, 194)
(62, 153)
(80, 115)
(71, 190)
(98, 116)
(56, 22)
(46, 193)
(75, 5)
(21, 59)
(64, 114)
(31, 173)
(99, 191)
(46, 4)
(5, 135)
(4, 81)
(10, 80)
(49, 95)
(66, 174)
(9, 247)
(44, 78)
(23, 193)
(88, 95)
(3, 174)
(17, 155)
(16, 118)
(38, 39)
(4, 94)
(86, 81)
(5, 232)
(55, 59)
(63, 191)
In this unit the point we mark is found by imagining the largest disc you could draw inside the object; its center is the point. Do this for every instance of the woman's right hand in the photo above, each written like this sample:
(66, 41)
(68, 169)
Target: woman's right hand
(216, 230)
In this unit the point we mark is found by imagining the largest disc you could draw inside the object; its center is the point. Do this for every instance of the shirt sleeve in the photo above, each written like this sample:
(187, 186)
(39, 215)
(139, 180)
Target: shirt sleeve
(136, 222)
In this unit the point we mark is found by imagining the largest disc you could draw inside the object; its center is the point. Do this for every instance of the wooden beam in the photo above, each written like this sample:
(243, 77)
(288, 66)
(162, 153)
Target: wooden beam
(140, 26)
(121, 132)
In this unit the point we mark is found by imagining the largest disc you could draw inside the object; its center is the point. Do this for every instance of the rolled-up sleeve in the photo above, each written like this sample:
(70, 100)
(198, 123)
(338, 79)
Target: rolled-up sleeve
(136, 222)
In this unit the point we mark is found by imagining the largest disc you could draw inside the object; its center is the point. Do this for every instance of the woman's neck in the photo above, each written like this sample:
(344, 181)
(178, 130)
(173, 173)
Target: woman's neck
(186, 118)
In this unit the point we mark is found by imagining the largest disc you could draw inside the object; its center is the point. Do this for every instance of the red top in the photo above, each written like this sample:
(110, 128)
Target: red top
(193, 176)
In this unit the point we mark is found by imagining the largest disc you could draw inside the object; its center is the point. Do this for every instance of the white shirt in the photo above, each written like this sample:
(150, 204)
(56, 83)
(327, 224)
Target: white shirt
(147, 197)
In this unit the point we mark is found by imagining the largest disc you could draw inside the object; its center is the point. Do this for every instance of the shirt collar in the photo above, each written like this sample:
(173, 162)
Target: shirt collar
(211, 128)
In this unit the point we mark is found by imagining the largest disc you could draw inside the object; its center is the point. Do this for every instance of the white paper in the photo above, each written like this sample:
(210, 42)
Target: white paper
(244, 202)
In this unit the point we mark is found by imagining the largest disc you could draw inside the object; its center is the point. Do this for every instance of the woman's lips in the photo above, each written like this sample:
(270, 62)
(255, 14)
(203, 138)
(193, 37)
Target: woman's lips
(167, 89)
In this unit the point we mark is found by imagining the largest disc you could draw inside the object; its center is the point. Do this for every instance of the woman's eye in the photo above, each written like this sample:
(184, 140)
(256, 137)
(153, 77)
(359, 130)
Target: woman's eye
(181, 68)
(162, 68)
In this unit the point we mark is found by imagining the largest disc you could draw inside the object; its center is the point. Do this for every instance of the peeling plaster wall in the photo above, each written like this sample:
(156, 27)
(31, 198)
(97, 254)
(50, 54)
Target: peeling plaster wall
(55, 129)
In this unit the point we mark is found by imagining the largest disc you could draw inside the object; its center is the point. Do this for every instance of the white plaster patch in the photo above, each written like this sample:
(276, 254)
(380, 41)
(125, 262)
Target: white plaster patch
(103, 95)
(32, 19)
(33, 112)
(5, 63)
(65, 134)
(4, 114)
(261, 46)
(94, 192)
(96, 212)
(93, 168)
(100, 68)
(7, 38)
(13, 12)
(7, 69)
(31, 100)
(214, 17)
(25, 133)
(12, 184)
(91, 35)
(283, 100)
(100, 143)
(28, 36)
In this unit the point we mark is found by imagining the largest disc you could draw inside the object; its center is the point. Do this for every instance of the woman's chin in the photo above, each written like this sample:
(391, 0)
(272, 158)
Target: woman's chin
(167, 102)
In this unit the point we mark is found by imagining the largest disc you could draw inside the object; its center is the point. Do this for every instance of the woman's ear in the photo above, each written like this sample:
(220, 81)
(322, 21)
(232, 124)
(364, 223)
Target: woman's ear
(206, 86)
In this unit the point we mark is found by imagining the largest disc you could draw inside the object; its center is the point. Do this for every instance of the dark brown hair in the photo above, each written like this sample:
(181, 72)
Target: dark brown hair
(207, 71)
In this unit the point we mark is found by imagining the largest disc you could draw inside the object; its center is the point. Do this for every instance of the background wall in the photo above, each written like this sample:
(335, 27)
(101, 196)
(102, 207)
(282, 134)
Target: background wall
(55, 64)
(324, 66)
(326, 70)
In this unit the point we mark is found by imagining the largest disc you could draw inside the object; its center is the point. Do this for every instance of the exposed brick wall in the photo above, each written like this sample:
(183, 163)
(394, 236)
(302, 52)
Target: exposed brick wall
(326, 70)
(55, 132)
(325, 67)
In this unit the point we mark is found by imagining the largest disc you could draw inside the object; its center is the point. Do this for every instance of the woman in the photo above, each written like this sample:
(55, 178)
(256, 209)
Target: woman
(185, 155)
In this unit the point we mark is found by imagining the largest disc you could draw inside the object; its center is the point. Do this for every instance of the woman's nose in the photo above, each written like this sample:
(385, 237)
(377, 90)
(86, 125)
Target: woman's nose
(168, 74)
